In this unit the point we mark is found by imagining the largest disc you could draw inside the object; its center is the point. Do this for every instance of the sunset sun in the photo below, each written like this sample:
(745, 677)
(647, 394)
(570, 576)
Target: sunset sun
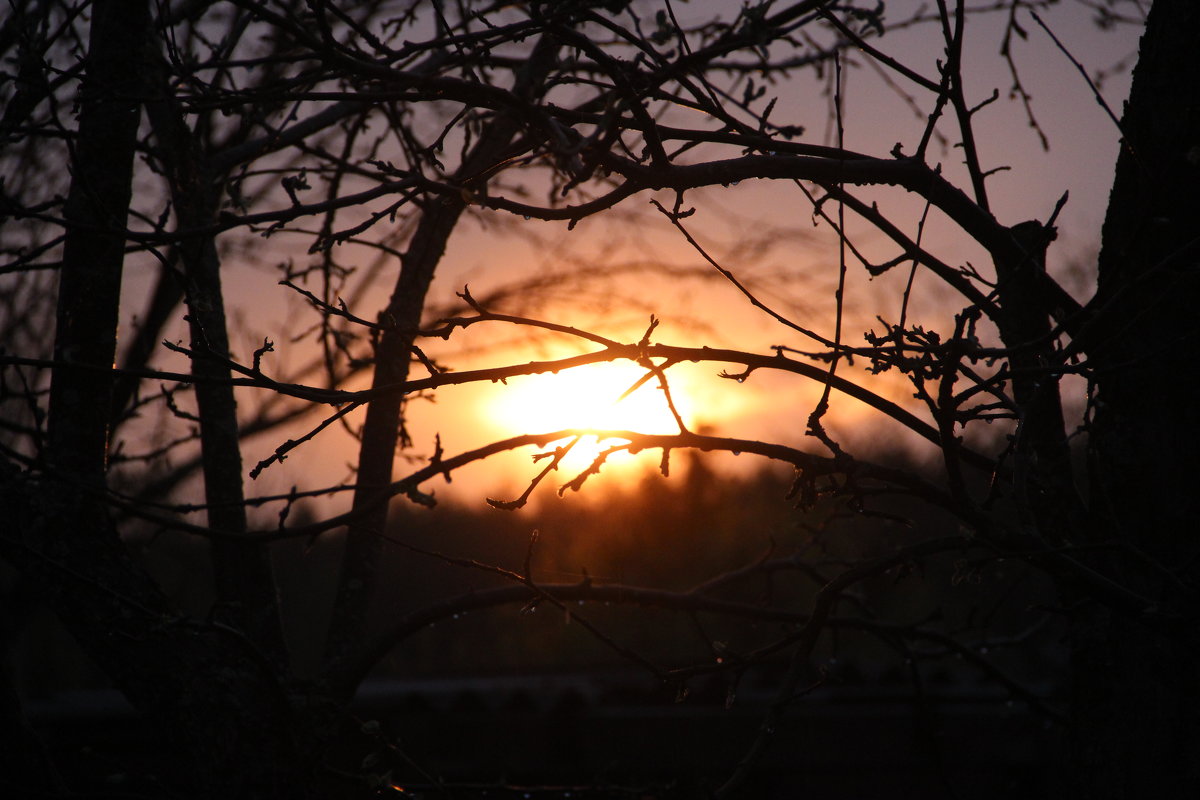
(588, 397)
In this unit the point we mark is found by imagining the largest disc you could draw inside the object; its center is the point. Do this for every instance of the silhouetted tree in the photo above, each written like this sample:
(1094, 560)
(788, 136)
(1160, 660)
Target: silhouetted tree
(200, 125)
(1137, 719)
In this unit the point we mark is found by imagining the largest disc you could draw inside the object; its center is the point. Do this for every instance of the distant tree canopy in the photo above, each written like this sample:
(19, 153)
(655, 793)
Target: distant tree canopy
(152, 147)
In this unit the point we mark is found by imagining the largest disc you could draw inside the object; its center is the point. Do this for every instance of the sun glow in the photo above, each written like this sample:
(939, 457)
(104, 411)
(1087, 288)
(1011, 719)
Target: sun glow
(588, 397)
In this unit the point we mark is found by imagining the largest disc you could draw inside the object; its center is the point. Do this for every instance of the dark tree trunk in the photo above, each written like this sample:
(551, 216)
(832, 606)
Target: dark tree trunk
(244, 581)
(89, 290)
(1137, 688)
(349, 633)
(214, 696)
(381, 434)
(1043, 481)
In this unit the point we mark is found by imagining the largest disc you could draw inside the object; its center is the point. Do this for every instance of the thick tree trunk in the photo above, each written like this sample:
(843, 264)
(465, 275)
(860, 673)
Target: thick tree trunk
(214, 696)
(89, 290)
(1137, 690)
(243, 577)
(349, 632)
(1043, 480)
(381, 434)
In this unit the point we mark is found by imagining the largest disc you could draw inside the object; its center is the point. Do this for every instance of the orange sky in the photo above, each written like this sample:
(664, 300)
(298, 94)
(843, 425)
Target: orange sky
(796, 276)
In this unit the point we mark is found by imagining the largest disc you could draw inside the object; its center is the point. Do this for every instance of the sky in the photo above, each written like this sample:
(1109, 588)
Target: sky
(1083, 146)
(762, 231)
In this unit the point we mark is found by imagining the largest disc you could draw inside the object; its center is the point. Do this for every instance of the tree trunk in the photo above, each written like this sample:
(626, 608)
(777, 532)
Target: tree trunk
(211, 691)
(349, 633)
(89, 289)
(244, 581)
(1137, 690)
